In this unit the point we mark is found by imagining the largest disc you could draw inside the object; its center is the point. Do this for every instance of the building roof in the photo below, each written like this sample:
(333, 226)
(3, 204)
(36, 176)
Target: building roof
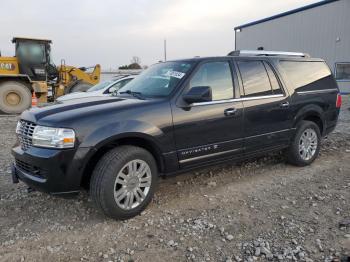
(297, 10)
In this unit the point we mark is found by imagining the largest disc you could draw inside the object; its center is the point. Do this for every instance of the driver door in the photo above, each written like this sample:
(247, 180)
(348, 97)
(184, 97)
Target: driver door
(209, 131)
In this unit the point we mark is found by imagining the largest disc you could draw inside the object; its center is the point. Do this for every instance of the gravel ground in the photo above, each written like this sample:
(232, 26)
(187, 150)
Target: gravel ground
(258, 210)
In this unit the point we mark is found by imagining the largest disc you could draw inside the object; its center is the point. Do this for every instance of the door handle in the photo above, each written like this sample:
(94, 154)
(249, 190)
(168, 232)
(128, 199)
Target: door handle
(230, 111)
(284, 105)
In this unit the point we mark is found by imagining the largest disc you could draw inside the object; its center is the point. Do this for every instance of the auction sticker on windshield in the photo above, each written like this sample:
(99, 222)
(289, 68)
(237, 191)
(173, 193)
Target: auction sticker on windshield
(175, 74)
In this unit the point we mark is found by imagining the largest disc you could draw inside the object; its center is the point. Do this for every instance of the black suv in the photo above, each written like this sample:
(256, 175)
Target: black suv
(174, 117)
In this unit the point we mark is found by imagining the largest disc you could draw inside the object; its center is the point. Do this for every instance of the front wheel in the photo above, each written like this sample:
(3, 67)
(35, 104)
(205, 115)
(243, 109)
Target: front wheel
(123, 181)
(305, 145)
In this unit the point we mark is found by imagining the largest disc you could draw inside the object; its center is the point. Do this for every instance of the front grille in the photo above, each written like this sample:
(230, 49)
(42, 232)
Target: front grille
(30, 169)
(25, 134)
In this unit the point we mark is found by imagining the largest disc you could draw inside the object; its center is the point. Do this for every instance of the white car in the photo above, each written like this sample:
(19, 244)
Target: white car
(102, 89)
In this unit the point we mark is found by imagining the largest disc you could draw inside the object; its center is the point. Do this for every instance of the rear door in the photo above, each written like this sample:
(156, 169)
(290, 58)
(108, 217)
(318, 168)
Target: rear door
(267, 118)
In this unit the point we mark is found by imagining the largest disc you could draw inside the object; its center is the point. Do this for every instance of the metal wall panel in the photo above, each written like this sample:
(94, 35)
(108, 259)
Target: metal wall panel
(323, 31)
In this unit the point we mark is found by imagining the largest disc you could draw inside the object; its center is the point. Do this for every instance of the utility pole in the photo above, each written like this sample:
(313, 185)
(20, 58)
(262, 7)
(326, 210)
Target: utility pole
(164, 50)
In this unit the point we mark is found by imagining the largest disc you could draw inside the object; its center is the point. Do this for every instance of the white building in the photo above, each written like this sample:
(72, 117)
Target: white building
(321, 29)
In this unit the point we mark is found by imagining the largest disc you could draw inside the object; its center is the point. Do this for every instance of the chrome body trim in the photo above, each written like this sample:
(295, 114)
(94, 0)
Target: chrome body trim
(317, 91)
(208, 155)
(236, 100)
(270, 133)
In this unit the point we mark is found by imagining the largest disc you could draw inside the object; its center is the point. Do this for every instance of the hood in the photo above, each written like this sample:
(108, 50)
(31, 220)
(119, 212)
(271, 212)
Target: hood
(61, 113)
(76, 95)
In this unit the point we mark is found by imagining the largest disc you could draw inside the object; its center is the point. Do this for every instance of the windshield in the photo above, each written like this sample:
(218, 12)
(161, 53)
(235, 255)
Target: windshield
(31, 52)
(158, 80)
(99, 86)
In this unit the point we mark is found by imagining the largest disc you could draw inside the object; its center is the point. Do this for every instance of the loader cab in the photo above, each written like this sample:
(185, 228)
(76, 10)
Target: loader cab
(33, 57)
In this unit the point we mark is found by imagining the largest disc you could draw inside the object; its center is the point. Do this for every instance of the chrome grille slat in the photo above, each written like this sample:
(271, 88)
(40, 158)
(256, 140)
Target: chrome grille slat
(25, 134)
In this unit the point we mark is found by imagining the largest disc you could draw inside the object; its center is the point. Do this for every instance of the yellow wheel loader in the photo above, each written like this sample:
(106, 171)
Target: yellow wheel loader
(31, 70)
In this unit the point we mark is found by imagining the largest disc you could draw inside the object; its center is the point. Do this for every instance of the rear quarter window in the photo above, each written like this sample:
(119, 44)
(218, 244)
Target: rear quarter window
(308, 75)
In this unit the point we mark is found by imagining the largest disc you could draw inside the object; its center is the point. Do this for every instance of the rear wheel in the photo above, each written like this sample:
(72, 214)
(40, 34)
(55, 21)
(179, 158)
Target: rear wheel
(80, 87)
(15, 97)
(306, 144)
(123, 182)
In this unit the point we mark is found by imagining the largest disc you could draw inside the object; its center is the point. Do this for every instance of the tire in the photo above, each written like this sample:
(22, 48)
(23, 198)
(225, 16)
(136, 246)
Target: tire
(80, 87)
(15, 97)
(297, 153)
(112, 171)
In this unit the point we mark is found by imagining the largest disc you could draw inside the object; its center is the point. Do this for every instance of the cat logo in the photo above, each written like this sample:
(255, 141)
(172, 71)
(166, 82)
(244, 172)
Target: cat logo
(7, 66)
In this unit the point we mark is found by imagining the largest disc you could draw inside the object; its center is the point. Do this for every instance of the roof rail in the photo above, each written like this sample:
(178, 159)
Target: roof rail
(266, 53)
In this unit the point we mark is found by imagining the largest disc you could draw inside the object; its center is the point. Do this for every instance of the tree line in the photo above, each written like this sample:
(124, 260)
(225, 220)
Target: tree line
(135, 63)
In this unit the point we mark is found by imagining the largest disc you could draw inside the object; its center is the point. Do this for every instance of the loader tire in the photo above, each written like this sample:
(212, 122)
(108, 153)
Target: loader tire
(15, 97)
(80, 87)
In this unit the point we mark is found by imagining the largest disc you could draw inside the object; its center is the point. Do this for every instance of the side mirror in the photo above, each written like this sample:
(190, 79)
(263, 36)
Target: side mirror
(112, 90)
(198, 94)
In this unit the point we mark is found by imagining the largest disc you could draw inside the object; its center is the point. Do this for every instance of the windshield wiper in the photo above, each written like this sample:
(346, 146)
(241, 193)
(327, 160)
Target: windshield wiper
(133, 93)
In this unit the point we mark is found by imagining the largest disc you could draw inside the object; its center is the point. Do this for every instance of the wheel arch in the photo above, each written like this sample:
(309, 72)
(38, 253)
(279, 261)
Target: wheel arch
(311, 113)
(135, 139)
(19, 78)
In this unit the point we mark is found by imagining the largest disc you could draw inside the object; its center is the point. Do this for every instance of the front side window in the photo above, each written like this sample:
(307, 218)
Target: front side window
(342, 71)
(218, 76)
(255, 79)
(99, 86)
(158, 80)
(119, 84)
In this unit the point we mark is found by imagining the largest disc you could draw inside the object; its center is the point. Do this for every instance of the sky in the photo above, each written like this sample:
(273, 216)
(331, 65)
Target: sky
(111, 32)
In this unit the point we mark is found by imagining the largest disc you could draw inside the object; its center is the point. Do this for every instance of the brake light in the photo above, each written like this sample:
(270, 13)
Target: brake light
(338, 103)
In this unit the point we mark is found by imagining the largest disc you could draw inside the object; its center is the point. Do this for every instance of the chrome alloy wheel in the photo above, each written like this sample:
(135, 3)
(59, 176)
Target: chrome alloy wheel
(308, 144)
(132, 184)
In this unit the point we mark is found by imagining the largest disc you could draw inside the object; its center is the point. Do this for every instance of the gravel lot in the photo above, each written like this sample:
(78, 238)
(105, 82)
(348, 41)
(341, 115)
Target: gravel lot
(257, 210)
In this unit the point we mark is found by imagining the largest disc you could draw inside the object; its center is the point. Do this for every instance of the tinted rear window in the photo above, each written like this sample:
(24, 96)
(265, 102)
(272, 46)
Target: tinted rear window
(255, 79)
(305, 76)
(276, 88)
(258, 79)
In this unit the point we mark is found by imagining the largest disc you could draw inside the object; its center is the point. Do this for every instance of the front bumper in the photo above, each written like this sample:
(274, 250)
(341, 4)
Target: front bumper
(52, 171)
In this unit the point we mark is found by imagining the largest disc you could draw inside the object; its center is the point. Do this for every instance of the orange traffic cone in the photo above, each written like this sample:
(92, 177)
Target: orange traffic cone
(34, 100)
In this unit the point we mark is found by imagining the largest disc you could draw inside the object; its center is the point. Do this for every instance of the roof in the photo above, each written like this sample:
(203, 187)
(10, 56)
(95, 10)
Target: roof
(15, 39)
(297, 10)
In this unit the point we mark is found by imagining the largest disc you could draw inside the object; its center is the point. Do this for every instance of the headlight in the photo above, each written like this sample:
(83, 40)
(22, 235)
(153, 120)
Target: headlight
(53, 137)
